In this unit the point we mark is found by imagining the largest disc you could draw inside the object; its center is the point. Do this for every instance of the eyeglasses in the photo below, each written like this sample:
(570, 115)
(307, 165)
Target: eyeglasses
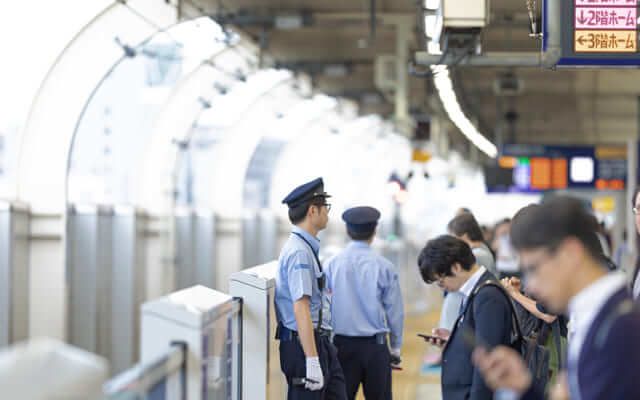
(532, 269)
(327, 205)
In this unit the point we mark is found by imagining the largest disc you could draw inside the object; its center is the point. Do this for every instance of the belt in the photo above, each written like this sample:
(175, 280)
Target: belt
(285, 334)
(379, 338)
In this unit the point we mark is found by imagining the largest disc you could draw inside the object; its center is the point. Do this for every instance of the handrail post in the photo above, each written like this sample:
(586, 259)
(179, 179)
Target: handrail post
(240, 302)
(183, 367)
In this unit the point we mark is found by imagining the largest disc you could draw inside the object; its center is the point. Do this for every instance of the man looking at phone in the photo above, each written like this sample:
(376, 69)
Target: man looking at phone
(561, 262)
(449, 262)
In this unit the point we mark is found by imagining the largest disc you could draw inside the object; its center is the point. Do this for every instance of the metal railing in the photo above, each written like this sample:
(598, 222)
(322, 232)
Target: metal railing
(148, 381)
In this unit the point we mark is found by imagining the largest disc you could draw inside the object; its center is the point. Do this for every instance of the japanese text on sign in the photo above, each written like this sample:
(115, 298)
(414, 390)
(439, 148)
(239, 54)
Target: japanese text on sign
(605, 26)
(606, 18)
(606, 2)
(605, 41)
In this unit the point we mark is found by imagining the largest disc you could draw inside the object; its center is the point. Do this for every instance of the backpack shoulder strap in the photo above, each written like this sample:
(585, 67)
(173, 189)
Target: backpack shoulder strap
(555, 331)
(514, 316)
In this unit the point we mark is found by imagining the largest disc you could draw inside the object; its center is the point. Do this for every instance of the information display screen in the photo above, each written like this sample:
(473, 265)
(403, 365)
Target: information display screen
(536, 168)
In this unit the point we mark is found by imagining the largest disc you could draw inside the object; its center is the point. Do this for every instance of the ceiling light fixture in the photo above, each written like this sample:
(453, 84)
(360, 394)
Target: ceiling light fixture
(431, 4)
(447, 94)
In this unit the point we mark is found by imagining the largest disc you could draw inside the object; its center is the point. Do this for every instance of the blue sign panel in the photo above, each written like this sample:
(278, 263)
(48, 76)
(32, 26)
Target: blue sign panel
(590, 32)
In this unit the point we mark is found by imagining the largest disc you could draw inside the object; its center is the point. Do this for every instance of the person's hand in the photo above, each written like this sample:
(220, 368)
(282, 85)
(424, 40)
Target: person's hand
(560, 390)
(315, 379)
(515, 283)
(443, 337)
(503, 368)
(395, 358)
(506, 282)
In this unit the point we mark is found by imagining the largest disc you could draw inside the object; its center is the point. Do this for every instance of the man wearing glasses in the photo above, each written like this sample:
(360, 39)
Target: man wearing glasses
(307, 357)
(485, 315)
(560, 259)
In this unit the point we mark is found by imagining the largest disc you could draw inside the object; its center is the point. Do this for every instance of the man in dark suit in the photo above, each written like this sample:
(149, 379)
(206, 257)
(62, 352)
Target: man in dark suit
(487, 318)
(560, 260)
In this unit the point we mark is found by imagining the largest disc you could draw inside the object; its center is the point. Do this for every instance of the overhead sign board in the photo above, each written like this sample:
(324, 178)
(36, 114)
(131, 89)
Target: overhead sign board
(606, 2)
(610, 29)
(606, 17)
(590, 33)
(605, 41)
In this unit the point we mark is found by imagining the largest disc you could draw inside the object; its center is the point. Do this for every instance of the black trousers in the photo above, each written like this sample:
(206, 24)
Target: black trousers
(365, 360)
(293, 365)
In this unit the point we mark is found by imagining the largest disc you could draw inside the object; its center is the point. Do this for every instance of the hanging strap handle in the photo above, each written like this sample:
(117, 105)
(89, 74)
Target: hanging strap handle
(320, 280)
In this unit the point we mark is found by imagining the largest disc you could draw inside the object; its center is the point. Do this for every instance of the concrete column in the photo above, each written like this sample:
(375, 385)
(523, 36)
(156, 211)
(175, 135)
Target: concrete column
(403, 36)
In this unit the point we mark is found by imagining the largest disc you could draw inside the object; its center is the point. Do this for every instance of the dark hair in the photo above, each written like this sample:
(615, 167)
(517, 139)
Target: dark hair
(361, 235)
(298, 213)
(502, 222)
(438, 256)
(548, 224)
(466, 223)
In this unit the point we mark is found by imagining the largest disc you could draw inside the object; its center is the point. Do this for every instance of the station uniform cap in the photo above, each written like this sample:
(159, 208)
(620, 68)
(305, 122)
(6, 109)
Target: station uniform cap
(361, 219)
(305, 192)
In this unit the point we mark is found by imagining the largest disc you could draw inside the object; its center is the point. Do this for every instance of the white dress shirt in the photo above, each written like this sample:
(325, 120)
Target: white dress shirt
(584, 307)
(468, 286)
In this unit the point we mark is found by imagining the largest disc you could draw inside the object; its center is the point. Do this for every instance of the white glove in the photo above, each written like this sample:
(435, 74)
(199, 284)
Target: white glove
(395, 357)
(314, 373)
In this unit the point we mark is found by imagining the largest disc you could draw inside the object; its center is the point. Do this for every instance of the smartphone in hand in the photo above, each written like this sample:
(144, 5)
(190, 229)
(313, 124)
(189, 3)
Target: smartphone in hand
(435, 340)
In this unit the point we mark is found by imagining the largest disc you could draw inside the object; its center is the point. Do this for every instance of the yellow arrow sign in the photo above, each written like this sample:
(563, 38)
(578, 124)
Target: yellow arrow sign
(613, 41)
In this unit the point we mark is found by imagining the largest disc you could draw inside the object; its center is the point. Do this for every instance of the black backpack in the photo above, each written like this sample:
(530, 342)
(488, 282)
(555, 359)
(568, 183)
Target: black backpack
(535, 355)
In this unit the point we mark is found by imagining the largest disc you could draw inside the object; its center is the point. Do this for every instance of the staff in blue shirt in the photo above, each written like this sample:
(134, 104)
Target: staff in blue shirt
(366, 307)
(307, 357)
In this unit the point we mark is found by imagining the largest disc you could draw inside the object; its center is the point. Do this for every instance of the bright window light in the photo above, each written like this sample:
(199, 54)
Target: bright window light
(449, 100)
(582, 169)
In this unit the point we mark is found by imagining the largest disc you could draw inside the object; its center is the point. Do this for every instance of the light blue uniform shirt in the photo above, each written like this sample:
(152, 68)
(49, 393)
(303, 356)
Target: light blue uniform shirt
(297, 277)
(365, 291)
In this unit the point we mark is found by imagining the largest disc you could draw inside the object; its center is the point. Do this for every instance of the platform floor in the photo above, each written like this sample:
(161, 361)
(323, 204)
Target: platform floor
(416, 381)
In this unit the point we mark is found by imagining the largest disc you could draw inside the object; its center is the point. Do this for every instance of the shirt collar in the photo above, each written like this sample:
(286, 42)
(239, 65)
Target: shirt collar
(313, 241)
(468, 286)
(588, 302)
(358, 244)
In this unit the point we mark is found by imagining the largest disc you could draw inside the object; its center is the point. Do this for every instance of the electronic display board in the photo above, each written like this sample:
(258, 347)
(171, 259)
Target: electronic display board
(537, 168)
